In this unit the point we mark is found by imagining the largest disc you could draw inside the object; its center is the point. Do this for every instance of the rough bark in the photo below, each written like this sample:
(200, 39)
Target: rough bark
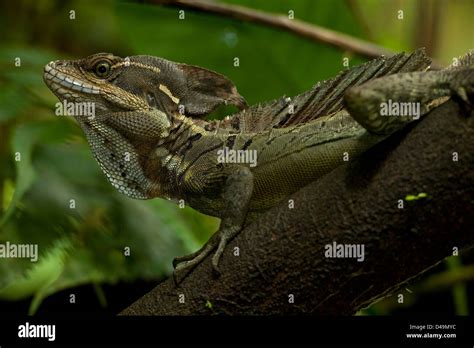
(283, 252)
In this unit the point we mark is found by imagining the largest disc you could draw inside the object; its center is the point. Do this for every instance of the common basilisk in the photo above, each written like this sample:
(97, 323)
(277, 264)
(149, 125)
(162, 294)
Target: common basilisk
(151, 138)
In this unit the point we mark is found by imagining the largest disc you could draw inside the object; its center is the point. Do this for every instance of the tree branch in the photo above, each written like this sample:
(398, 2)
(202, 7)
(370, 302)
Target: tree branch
(300, 28)
(283, 253)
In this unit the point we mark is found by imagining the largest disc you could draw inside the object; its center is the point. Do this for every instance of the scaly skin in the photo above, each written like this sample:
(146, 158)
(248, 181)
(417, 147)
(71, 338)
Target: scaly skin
(151, 140)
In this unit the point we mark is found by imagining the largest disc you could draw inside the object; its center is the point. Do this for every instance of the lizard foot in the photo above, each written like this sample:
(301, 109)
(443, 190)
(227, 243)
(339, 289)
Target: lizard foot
(185, 264)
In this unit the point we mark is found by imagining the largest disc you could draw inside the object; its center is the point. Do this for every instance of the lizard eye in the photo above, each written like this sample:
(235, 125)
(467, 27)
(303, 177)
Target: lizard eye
(102, 69)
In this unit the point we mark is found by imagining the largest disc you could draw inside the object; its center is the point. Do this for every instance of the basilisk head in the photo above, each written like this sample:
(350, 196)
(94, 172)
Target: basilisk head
(138, 101)
(140, 83)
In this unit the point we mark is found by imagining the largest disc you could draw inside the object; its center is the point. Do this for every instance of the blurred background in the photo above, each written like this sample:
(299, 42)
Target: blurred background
(53, 193)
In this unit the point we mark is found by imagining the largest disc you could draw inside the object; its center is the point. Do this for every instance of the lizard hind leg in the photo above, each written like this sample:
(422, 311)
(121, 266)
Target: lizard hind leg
(385, 105)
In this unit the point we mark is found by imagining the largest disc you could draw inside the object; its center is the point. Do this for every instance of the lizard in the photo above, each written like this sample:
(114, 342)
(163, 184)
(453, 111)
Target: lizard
(151, 138)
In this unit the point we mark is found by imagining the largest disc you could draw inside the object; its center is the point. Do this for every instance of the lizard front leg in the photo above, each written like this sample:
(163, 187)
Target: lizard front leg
(237, 193)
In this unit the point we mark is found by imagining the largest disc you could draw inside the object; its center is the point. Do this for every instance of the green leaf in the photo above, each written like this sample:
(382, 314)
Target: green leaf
(40, 275)
(24, 140)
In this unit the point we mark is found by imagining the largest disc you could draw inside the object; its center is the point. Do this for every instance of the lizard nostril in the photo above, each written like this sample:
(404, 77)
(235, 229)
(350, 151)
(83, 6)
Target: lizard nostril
(60, 63)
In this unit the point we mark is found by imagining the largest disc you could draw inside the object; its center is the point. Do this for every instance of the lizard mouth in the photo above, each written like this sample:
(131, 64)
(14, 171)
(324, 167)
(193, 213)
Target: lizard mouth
(66, 86)
(69, 82)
